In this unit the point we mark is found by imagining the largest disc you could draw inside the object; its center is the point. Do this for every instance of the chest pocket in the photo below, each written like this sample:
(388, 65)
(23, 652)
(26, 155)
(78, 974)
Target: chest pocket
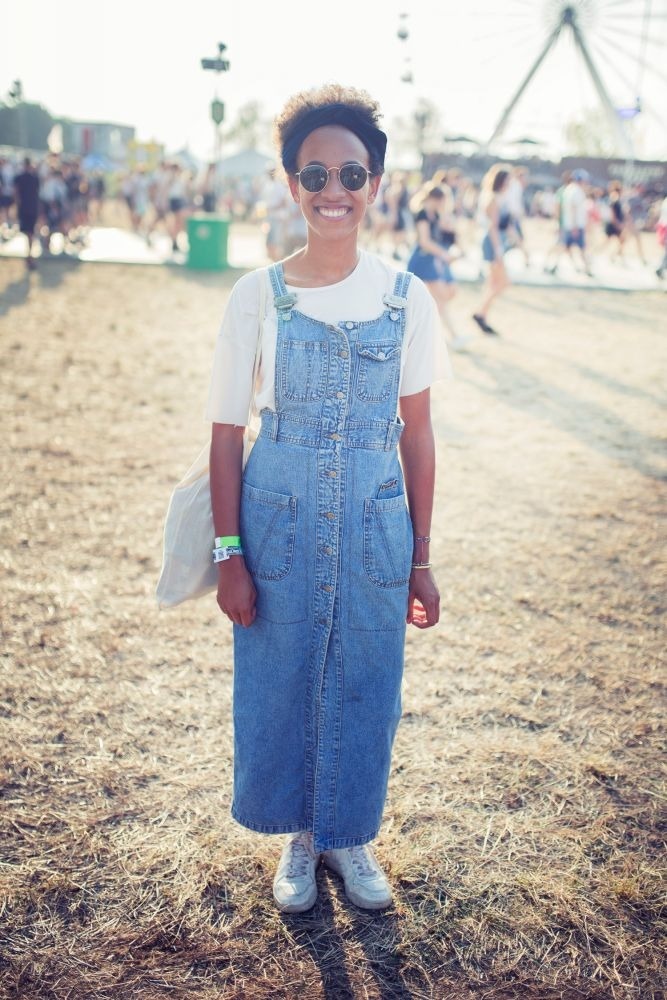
(378, 369)
(303, 369)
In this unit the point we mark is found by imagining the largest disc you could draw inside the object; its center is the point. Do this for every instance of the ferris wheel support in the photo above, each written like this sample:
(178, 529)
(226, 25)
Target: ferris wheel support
(505, 117)
(620, 133)
(568, 19)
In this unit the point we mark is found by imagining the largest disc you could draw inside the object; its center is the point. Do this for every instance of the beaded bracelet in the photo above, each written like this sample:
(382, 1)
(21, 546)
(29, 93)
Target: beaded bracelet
(421, 565)
(422, 538)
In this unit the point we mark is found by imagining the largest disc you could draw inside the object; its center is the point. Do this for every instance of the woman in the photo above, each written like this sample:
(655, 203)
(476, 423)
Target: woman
(396, 199)
(496, 222)
(430, 259)
(320, 564)
(616, 223)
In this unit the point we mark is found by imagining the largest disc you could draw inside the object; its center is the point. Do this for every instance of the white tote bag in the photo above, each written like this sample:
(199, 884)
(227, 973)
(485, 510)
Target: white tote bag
(188, 570)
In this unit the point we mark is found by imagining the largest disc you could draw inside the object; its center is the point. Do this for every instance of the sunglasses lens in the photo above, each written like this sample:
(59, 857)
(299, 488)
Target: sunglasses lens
(353, 176)
(313, 178)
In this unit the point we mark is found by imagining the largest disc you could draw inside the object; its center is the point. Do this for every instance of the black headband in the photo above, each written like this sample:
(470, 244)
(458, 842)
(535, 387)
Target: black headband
(348, 117)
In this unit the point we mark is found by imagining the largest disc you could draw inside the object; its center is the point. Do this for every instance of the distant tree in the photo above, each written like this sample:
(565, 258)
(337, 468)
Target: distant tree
(251, 128)
(420, 132)
(24, 124)
(590, 135)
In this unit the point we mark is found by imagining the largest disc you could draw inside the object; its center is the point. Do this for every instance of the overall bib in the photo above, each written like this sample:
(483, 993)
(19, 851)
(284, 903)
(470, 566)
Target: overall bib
(328, 541)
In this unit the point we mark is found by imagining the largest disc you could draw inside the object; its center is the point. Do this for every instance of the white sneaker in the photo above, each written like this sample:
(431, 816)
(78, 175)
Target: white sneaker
(365, 882)
(295, 887)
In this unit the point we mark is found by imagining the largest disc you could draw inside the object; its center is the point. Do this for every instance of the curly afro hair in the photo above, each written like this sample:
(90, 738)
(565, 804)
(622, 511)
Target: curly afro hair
(318, 97)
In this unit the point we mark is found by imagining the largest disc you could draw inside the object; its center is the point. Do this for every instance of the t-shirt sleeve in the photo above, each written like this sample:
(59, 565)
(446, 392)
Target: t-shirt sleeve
(426, 358)
(230, 389)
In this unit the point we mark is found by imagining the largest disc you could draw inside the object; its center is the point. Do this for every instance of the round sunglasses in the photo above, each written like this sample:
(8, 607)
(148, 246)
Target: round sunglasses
(314, 177)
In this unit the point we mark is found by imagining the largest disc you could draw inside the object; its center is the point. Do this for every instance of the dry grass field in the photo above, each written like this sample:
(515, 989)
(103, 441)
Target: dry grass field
(523, 828)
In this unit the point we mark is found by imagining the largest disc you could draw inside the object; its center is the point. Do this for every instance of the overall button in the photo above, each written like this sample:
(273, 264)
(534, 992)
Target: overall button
(340, 395)
(335, 437)
(393, 315)
(381, 355)
(329, 515)
(331, 474)
(322, 621)
(328, 551)
(349, 325)
(327, 587)
(343, 354)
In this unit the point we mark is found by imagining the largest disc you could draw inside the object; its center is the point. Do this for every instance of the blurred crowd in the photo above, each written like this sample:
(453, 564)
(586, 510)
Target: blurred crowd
(611, 218)
(56, 195)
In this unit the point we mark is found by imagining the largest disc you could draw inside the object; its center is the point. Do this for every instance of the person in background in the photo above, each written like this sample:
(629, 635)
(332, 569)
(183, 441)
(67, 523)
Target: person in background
(26, 191)
(495, 221)
(141, 198)
(615, 225)
(556, 203)
(275, 196)
(96, 197)
(575, 217)
(396, 200)
(159, 193)
(661, 233)
(7, 173)
(516, 207)
(178, 193)
(53, 196)
(574, 212)
(208, 189)
(430, 258)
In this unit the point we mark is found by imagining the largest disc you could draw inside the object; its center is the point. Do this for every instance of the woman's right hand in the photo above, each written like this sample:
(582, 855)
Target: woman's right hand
(236, 591)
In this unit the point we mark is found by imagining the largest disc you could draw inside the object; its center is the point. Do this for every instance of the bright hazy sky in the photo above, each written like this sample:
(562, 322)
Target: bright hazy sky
(137, 62)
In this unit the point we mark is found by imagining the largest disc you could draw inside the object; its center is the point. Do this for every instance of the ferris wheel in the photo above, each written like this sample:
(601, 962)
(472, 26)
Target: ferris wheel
(602, 29)
(619, 46)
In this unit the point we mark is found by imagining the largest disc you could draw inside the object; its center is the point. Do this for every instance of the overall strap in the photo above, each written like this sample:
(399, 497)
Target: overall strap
(399, 298)
(282, 299)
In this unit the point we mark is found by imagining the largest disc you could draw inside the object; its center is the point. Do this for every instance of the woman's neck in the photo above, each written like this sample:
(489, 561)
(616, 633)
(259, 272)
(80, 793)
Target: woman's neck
(321, 264)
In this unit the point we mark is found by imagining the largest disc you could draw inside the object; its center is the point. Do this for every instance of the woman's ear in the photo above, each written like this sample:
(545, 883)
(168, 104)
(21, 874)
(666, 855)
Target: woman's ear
(373, 186)
(294, 187)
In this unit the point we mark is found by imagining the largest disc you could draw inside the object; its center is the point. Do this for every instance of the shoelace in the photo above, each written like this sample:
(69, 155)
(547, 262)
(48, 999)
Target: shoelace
(362, 863)
(298, 859)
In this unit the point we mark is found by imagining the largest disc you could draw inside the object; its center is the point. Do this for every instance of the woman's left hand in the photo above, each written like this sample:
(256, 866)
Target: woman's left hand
(423, 599)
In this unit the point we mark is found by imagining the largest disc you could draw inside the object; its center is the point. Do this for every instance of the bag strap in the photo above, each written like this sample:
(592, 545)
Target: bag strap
(260, 324)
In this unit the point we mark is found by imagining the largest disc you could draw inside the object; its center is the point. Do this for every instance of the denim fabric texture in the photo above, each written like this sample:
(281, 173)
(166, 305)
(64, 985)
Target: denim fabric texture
(328, 541)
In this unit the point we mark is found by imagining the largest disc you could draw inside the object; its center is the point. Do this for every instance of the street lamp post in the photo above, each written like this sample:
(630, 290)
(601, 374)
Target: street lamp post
(218, 65)
(16, 94)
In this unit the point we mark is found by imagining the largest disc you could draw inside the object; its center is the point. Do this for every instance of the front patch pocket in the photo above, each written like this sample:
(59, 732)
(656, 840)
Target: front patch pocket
(378, 371)
(387, 541)
(303, 369)
(268, 525)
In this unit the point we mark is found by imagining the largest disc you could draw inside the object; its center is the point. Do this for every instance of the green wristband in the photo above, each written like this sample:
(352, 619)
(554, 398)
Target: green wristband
(225, 540)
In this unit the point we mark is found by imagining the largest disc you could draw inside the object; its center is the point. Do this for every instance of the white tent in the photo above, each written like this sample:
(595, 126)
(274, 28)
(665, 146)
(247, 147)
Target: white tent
(247, 163)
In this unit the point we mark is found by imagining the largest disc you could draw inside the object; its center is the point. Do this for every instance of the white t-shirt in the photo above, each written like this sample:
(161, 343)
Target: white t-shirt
(514, 198)
(575, 214)
(358, 297)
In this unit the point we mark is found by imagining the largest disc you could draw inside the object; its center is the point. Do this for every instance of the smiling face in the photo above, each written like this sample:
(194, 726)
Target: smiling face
(333, 213)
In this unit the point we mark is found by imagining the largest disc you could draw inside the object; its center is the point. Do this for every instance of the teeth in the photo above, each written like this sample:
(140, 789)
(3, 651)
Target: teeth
(333, 213)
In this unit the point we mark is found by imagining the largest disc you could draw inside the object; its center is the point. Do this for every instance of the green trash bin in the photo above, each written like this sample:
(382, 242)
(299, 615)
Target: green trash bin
(207, 239)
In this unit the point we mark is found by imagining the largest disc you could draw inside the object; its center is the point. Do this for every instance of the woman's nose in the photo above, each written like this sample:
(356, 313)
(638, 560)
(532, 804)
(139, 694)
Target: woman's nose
(334, 185)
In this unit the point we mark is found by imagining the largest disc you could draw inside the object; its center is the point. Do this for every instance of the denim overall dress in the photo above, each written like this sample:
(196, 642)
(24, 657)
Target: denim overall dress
(328, 541)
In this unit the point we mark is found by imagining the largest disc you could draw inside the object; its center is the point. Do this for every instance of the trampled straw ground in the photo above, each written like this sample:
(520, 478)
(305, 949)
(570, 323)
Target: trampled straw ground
(523, 830)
